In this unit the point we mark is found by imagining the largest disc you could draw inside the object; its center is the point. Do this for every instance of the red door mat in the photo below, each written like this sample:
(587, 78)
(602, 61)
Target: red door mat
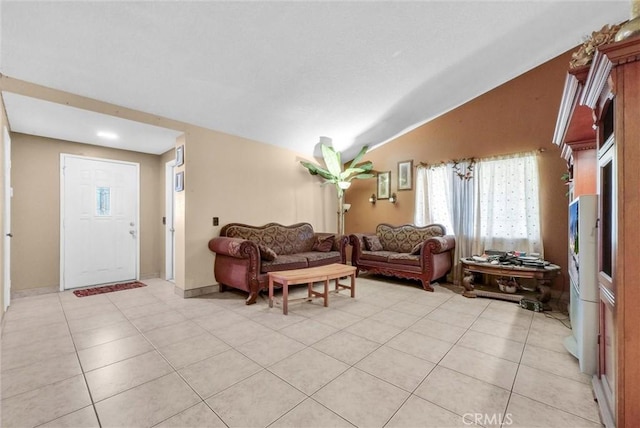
(108, 288)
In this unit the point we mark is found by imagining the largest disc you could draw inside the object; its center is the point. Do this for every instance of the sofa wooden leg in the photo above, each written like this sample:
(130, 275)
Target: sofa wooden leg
(426, 285)
(253, 296)
(222, 288)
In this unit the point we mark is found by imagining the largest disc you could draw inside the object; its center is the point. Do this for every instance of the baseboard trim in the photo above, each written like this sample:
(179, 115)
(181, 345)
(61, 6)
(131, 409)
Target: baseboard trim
(195, 292)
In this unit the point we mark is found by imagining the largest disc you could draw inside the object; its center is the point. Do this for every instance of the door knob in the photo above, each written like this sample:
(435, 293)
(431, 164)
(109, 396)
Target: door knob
(10, 235)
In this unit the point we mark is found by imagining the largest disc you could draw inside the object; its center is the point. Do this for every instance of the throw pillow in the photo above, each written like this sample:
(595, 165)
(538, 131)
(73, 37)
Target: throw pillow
(416, 249)
(267, 253)
(324, 244)
(373, 243)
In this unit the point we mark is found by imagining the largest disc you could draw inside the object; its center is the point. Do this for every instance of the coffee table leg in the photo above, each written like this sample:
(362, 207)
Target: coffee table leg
(545, 291)
(467, 283)
(309, 288)
(271, 292)
(326, 293)
(353, 285)
(285, 297)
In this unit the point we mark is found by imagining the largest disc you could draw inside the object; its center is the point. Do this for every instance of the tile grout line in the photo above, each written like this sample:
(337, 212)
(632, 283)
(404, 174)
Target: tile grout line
(93, 404)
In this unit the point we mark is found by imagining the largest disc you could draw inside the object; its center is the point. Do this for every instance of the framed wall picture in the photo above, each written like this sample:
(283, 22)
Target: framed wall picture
(179, 155)
(179, 183)
(405, 175)
(384, 184)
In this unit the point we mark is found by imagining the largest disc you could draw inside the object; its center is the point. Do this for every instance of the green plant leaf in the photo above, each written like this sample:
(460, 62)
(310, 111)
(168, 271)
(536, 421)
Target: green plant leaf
(364, 176)
(332, 160)
(359, 156)
(334, 173)
(317, 170)
(365, 166)
(347, 174)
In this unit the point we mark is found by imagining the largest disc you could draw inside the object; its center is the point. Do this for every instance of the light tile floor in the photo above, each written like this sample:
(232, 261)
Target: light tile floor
(395, 356)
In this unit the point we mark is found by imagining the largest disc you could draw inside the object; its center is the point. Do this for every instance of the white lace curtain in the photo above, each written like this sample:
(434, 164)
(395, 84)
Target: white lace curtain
(490, 204)
(509, 206)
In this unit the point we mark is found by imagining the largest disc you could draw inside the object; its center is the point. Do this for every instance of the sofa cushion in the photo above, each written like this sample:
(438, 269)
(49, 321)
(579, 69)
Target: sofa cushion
(324, 244)
(379, 256)
(284, 262)
(373, 243)
(318, 258)
(404, 259)
(402, 239)
(267, 253)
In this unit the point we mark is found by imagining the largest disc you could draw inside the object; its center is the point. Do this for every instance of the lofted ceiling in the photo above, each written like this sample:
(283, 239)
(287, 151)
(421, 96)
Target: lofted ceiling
(282, 73)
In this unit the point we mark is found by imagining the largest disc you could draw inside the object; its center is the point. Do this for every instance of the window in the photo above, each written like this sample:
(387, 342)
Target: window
(103, 201)
(508, 204)
(490, 204)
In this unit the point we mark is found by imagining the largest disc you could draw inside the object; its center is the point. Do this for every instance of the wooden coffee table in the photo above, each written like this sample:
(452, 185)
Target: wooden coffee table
(309, 276)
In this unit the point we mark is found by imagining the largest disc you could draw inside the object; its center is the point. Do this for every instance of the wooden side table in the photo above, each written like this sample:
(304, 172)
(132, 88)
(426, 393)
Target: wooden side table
(309, 276)
(543, 277)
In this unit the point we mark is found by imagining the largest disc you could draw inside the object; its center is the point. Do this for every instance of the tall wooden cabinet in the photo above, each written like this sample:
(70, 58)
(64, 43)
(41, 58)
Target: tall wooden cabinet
(607, 100)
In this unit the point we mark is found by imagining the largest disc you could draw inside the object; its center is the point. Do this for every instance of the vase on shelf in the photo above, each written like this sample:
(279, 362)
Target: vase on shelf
(632, 26)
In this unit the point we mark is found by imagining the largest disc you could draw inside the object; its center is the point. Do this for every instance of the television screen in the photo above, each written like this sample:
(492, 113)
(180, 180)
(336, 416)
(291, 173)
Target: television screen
(574, 242)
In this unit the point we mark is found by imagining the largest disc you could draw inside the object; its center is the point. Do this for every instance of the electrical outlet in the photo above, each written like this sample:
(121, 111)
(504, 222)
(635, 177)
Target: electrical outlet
(216, 221)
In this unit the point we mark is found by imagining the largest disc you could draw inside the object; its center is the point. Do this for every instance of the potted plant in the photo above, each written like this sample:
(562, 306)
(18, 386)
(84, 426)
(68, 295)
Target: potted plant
(334, 173)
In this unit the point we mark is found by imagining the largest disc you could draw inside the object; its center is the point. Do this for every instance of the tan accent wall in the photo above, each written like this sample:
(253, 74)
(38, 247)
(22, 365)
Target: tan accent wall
(516, 117)
(35, 251)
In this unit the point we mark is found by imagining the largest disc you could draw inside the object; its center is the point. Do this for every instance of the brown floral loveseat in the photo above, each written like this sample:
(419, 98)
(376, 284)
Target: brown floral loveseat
(407, 251)
(245, 254)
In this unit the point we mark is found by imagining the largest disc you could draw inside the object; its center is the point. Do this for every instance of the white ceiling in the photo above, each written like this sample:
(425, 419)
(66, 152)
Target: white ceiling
(283, 73)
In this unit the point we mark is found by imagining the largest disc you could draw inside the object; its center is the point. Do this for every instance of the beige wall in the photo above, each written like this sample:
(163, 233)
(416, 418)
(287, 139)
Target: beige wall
(235, 179)
(515, 117)
(161, 229)
(240, 180)
(35, 252)
(3, 123)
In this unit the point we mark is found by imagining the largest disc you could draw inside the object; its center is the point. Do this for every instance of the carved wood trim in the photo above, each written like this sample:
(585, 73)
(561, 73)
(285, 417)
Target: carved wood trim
(604, 60)
(574, 82)
(596, 80)
(577, 146)
(570, 94)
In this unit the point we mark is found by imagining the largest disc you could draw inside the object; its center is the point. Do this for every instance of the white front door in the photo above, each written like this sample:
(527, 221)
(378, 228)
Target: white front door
(99, 221)
(6, 227)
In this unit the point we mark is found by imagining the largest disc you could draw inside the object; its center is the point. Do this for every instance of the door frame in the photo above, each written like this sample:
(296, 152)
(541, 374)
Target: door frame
(169, 232)
(63, 157)
(6, 227)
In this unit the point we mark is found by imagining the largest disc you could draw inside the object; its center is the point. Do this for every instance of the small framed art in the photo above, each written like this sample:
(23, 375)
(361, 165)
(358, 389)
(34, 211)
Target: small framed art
(405, 175)
(384, 184)
(179, 183)
(179, 155)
